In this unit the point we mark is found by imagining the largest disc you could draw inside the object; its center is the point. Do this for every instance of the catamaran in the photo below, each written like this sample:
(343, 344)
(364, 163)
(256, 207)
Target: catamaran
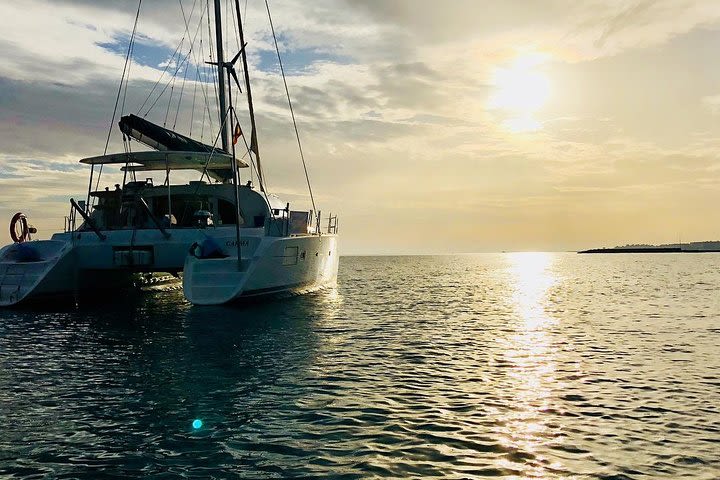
(232, 239)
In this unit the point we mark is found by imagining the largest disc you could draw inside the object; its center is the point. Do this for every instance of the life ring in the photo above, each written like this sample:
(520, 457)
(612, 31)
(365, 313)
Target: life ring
(25, 229)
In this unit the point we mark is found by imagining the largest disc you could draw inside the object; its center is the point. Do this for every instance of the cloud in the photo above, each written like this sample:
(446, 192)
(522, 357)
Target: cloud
(712, 102)
(392, 104)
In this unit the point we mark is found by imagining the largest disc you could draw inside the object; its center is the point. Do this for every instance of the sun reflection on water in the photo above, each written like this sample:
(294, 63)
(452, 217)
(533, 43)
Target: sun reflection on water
(529, 355)
(531, 277)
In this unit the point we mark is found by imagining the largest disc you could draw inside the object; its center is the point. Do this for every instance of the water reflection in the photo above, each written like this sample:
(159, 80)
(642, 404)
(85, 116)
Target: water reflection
(529, 354)
(134, 374)
(452, 367)
(531, 277)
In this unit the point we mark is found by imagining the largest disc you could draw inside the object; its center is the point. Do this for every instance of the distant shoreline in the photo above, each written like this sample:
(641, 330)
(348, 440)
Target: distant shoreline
(648, 250)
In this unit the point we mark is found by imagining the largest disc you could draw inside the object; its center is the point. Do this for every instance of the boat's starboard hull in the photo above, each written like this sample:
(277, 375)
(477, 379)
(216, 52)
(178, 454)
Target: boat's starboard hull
(280, 265)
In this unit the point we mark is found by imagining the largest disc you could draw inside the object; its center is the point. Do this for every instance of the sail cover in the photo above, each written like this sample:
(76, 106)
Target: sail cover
(159, 137)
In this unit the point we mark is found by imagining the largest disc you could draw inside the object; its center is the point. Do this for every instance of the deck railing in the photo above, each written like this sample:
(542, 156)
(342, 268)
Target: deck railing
(303, 222)
(332, 224)
(71, 218)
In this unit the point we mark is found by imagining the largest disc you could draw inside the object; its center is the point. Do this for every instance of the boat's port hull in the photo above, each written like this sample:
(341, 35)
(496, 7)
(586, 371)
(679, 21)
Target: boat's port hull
(80, 264)
(36, 269)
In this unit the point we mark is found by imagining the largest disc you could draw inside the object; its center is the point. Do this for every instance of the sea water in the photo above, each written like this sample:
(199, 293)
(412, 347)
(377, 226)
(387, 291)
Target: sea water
(526, 365)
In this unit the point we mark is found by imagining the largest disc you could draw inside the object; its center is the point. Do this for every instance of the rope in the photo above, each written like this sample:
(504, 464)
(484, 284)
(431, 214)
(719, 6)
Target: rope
(292, 112)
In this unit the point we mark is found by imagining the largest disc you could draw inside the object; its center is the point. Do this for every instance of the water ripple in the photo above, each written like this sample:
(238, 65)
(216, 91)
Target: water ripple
(508, 366)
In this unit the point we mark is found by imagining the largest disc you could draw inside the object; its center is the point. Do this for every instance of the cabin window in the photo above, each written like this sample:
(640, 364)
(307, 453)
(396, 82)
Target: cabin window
(290, 256)
(183, 207)
(226, 212)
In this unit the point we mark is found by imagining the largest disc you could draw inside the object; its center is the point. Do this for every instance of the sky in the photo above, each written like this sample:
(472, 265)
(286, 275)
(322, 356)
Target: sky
(428, 127)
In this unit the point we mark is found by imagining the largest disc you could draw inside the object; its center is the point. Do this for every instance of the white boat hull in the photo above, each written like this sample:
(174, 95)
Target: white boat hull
(39, 269)
(79, 263)
(296, 264)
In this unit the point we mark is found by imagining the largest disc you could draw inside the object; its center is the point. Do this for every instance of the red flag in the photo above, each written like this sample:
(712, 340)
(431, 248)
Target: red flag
(237, 134)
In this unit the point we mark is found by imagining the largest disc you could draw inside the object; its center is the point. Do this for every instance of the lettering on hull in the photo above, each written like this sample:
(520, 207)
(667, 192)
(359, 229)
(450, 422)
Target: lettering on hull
(233, 243)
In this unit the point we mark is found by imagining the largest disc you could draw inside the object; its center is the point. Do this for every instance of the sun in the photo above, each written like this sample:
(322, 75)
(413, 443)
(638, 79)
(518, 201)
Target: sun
(521, 89)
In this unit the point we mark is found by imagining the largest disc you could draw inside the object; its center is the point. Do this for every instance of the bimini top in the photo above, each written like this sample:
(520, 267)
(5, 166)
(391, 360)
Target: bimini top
(217, 164)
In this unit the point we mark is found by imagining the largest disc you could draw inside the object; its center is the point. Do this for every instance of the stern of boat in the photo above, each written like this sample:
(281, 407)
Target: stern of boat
(296, 264)
(34, 269)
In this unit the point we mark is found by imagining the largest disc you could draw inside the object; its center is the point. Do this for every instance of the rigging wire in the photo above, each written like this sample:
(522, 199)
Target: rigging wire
(235, 31)
(236, 99)
(292, 112)
(126, 141)
(245, 14)
(167, 66)
(199, 62)
(202, 126)
(182, 89)
(122, 78)
(117, 101)
(253, 140)
(177, 52)
(213, 73)
(178, 65)
(172, 89)
(226, 47)
(237, 45)
(225, 118)
(192, 110)
(127, 77)
(207, 163)
(184, 61)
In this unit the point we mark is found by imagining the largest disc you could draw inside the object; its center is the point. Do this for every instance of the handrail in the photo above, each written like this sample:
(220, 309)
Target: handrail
(332, 224)
(153, 217)
(287, 219)
(87, 218)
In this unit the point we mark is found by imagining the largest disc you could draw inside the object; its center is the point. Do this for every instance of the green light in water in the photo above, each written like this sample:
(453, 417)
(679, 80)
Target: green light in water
(197, 423)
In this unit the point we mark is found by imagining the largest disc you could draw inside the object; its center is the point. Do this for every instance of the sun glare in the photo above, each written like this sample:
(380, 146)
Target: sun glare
(525, 123)
(521, 89)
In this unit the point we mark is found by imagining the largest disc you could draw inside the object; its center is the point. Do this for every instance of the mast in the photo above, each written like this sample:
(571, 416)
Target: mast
(221, 78)
(227, 117)
(235, 178)
(253, 137)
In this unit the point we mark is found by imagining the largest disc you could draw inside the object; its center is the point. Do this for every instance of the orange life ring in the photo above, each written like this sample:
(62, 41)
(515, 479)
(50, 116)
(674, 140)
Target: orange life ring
(24, 234)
